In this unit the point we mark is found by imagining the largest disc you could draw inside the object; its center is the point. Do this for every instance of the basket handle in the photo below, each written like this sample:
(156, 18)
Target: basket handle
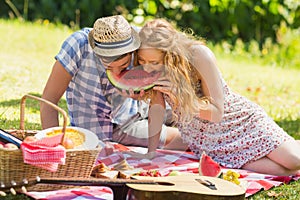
(22, 111)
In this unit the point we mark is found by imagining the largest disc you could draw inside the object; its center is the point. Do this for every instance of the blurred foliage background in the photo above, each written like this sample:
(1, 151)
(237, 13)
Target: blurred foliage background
(262, 28)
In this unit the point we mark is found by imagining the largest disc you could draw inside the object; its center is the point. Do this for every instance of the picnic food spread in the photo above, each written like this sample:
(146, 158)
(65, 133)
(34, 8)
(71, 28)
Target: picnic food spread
(85, 139)
(117, 170)
(169, 163)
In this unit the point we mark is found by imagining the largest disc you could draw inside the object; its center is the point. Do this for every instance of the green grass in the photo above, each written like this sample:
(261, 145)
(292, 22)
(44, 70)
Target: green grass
(27, 56)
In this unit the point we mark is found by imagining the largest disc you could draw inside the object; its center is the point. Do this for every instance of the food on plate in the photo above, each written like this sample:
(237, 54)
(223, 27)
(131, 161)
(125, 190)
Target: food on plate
(68, 143)
(82, 138)
(174, 173)
(124, 175)
(113, 174)
(72, 138)
(151, 173)
(102, 171)
(122, 165)
(100, 168)
(208, 167)
(136, 79)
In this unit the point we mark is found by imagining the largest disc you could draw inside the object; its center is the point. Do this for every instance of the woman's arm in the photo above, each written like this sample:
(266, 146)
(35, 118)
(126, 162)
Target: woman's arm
(156, 115)
(205, 63)
(56, 85)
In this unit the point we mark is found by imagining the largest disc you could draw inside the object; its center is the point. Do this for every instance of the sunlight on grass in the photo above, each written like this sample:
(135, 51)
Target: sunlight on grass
(275, 89)
(27, 56)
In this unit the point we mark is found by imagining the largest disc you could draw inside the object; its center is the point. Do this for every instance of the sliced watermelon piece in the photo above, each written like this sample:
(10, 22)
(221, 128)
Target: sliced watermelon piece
(136, 79)
(208, 167)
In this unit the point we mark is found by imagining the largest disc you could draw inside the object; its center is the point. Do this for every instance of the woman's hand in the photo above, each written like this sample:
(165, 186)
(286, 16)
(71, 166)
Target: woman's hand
(163, 85)
(149, 155)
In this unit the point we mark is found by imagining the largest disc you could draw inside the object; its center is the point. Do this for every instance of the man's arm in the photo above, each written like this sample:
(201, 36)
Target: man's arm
(56, 85)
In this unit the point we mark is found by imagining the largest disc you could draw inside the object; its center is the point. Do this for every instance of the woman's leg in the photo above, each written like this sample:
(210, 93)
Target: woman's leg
(267, 166)
(174, 140)
(285, 160)
(287, 155)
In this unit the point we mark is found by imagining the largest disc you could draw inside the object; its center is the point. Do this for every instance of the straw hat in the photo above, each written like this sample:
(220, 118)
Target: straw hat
(113, 36)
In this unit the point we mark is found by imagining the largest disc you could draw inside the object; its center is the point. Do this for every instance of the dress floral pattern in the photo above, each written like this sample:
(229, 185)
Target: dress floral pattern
(245, 134)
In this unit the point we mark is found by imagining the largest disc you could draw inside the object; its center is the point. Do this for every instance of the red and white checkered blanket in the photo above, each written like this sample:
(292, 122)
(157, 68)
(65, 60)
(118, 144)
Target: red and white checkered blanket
(91, 192)
(166, 161)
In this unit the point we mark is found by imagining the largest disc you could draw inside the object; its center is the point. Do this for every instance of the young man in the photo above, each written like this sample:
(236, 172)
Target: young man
(93, 103)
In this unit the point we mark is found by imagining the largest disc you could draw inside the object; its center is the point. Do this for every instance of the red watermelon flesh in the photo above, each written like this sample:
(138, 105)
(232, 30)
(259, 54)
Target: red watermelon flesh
(136, 79)
(208, 167)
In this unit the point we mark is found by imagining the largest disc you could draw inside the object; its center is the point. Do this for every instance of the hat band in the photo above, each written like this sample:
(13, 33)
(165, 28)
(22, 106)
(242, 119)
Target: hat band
(113, 45)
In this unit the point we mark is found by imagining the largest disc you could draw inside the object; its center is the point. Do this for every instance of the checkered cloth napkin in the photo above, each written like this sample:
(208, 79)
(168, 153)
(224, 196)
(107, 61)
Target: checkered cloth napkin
(46, 153)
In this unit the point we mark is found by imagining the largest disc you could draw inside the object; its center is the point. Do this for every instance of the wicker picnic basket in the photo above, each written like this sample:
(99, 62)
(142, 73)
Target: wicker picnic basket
(79, 163)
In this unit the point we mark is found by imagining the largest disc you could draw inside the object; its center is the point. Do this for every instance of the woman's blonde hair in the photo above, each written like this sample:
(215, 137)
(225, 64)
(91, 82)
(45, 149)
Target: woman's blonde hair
(160, 34)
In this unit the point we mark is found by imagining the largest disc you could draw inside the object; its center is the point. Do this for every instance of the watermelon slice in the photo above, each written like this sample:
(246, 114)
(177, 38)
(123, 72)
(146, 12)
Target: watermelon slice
(136, 79)
(208, 167)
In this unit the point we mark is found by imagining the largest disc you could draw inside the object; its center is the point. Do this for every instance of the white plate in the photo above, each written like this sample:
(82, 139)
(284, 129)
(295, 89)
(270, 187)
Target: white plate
(91, 139)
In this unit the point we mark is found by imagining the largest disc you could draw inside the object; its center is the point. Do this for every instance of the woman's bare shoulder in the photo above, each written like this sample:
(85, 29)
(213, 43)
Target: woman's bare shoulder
(202, 51)
(202, 56)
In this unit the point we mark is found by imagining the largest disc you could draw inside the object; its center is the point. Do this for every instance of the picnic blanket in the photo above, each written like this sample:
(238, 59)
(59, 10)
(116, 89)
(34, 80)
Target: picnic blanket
(167, 160)
(91, 192)
(170, 160)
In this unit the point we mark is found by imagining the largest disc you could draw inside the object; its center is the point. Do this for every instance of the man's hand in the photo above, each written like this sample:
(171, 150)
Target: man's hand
(130, 94)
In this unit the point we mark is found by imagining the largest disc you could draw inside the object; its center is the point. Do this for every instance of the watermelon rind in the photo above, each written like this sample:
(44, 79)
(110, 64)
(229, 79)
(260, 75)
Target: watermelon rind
(208, 167)
(121, 87)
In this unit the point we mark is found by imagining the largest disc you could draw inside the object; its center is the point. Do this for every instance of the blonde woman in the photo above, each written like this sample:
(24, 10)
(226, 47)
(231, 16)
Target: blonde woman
(234, 131)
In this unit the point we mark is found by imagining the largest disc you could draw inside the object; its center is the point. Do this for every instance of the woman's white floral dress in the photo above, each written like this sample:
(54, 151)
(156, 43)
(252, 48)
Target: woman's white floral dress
(245, 134)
